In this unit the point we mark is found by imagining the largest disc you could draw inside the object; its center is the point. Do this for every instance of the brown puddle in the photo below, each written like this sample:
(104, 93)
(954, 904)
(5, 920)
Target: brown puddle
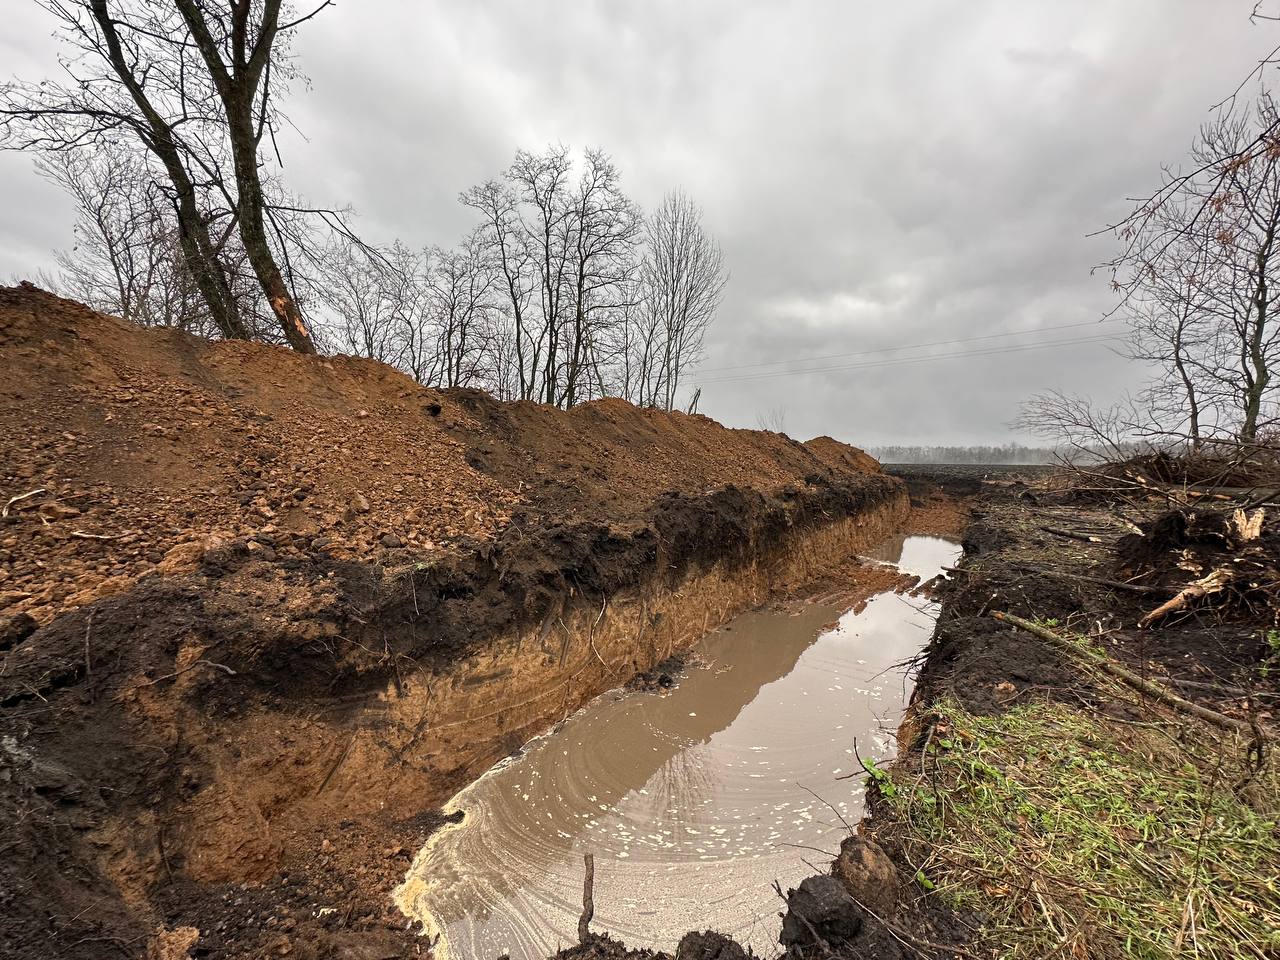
(694, 801)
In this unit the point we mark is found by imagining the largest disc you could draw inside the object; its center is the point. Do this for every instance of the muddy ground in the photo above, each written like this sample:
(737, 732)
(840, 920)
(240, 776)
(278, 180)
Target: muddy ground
(226, 568)
(1040, 547)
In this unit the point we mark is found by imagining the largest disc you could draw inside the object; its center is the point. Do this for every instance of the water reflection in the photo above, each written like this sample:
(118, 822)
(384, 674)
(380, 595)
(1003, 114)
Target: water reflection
(693, 802)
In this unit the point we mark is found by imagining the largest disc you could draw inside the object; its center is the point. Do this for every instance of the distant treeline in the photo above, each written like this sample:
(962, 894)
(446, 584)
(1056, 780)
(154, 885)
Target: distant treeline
(1013, 453)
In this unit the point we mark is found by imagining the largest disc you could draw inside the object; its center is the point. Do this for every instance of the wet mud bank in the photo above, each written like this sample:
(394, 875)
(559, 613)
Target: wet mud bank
(239, 757)
(877, 898)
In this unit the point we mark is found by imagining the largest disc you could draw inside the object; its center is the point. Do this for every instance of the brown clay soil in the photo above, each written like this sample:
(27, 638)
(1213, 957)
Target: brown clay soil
(213, 555)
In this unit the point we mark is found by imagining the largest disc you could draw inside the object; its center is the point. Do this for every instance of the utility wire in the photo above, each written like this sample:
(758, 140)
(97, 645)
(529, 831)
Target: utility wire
(870, 364)
(912, 346)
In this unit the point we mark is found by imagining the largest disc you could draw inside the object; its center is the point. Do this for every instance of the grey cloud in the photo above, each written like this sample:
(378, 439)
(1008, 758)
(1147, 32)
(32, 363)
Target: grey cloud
(878, 176)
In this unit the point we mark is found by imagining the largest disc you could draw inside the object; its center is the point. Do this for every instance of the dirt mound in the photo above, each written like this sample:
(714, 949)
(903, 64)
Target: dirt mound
(224, 563)
(131, 451)
(841, 456)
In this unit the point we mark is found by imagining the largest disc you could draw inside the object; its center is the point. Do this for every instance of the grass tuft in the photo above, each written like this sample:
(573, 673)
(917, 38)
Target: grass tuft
(1081, 836)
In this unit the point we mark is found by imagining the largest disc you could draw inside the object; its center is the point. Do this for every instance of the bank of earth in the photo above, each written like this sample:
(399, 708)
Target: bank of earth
(262, 613)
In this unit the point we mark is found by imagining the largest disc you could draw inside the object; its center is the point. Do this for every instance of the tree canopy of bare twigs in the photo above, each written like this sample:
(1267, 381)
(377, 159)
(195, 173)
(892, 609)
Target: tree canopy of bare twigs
(563, 292)
(191, 89)
(682, 281)
(1197, 276)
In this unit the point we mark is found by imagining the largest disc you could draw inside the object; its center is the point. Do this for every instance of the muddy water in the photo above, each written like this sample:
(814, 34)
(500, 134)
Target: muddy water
(693, 802)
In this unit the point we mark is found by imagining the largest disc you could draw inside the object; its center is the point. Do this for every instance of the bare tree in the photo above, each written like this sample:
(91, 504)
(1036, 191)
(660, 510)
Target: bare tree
(103, 100)
(1170, 326)
(604, 232)
(542, 184)
(682, 282)
(119, 249)
(237, 50)
(1244, 214)
(505, 234)
(194, 88)
(1080, 429)
(564, 252)
(406, 278)
(360, 298)
(462, 291)
(128, 259)
(1197, 275)
(774, 419)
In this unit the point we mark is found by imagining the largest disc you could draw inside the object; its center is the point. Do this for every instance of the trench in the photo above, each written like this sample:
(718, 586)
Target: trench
(693, 801)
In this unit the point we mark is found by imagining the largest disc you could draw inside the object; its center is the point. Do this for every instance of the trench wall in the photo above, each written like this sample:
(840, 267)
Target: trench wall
(426, 735)
(458, 722)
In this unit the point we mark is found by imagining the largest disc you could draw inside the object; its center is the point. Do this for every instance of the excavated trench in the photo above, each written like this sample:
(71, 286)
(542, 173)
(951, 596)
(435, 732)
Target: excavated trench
(268, 612)
(360, 698)
(692, 800)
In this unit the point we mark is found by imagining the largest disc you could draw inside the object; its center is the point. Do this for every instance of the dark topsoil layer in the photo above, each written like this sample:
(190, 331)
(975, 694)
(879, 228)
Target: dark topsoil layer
(1024, 552)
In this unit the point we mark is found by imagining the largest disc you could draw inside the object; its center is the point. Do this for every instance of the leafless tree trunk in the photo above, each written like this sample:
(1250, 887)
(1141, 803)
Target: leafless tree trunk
(542, 184)
(193, 87)
(682, 282)
(237, 51)
(126, 76)
(128, 258)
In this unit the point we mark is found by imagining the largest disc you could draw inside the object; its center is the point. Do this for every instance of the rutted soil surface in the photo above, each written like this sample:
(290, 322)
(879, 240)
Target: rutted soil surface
(224, 562)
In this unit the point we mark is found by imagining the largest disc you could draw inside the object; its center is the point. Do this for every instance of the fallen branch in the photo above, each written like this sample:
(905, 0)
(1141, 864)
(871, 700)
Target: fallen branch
(1072, 535)
(588, 899)
(1220, 688)
(19, 498)
(1101, 581)
(1107, 665)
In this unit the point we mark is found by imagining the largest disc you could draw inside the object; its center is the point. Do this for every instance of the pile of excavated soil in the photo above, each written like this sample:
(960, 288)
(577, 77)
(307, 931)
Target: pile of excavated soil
(222, 562)
(131, 451)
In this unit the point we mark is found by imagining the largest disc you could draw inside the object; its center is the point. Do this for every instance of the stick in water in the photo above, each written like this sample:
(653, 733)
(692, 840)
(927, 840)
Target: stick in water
(588, 900)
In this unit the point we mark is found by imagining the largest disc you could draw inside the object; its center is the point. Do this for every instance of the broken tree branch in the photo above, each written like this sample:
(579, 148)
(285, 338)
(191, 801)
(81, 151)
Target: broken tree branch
(1072, 535)
(1086, 578)
(19, 498)
(1215, 582)
(1107, 665)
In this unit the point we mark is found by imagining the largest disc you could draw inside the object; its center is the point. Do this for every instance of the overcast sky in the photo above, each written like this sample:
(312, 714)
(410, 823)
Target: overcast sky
(878, 177)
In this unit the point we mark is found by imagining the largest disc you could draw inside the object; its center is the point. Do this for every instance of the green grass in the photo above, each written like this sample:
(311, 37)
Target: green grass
(1075, 836)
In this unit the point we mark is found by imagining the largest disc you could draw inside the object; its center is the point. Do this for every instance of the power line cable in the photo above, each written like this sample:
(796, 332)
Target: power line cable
(896, 361)
(912, 346)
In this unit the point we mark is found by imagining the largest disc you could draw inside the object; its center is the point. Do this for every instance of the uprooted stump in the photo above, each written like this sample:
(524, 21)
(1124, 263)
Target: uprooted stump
(867, 874)
(1203, 557)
